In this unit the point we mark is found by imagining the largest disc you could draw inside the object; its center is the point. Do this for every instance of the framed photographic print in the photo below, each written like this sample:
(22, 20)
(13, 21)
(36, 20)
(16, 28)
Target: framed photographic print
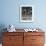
(26, 13)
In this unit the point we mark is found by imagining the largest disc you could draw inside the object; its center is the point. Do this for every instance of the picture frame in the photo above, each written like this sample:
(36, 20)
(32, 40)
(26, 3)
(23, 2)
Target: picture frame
(26, 13)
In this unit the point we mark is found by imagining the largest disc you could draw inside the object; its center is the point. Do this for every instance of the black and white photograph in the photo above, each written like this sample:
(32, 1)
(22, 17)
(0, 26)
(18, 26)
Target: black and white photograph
(26, 13)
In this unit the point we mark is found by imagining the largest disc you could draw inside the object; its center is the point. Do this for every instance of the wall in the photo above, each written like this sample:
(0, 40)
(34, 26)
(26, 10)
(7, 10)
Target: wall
(10, 13)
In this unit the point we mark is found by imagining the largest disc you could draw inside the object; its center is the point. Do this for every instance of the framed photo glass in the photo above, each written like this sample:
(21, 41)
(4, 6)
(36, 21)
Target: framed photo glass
(26, 13)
